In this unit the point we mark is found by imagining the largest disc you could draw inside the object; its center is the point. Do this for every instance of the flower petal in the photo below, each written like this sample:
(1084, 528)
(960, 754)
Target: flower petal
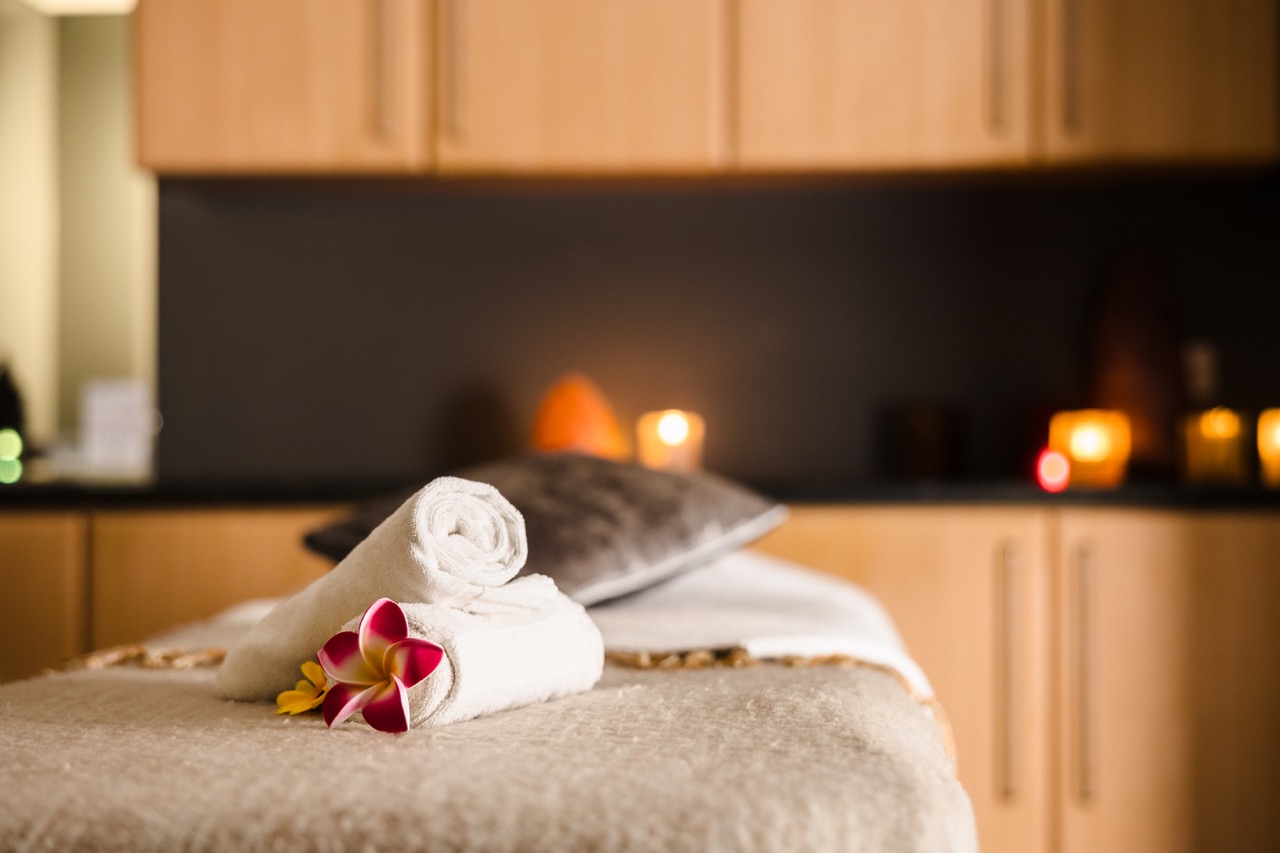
(343, 662)
(412, 660)
(343, 700)
(315, 674)
(297, 701)
(381, 625)
(388, 710)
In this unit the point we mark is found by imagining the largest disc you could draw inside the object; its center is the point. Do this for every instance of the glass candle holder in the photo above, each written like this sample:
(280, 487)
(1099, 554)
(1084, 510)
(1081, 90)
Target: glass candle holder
(670, 440)
(1269, 446)
(1096, 443)
(1213, 448)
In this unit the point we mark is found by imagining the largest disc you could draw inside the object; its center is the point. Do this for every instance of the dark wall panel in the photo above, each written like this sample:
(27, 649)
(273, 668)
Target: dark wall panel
(350, 332)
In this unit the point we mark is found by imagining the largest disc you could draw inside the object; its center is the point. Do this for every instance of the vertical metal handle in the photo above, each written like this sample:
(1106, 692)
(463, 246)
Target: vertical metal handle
(996, 21)
(384, 70)
(453, 68)
(731, 43)
(1084, 672)
(1071, 92)
(1007, 585)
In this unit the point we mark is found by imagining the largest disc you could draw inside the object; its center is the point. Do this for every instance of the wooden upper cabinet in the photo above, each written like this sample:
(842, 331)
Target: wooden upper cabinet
(1159, 80)
(838, 84)
(579, 86)
(282, 86)
(586, 87)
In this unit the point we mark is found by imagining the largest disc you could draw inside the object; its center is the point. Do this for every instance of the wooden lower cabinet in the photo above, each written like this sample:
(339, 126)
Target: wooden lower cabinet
(1236, 694)
(1122, 724)
(1109, 672)
(42, 590)
(155, 569)
(968, 590)
(76, 580)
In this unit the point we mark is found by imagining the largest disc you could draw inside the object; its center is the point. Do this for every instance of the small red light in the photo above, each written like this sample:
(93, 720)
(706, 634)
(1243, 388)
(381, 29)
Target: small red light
(1053, 471)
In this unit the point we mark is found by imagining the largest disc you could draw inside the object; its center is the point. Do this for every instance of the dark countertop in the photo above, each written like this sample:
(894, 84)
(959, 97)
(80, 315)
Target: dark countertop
(1153, 496)
(88, 495)
(123, 495)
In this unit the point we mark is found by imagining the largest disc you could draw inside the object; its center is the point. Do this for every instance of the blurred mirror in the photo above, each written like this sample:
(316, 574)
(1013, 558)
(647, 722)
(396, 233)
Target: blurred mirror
(77, 216)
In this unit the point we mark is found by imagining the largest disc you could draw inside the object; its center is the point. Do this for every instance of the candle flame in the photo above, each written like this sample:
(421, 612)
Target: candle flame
(1219, 423)
(1090, 442)
(673, 429)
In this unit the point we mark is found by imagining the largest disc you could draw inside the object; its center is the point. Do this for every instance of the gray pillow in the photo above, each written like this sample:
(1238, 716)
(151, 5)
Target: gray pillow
(600, 529)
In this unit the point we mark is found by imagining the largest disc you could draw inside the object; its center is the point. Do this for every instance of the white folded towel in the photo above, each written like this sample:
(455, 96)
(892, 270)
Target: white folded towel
(451, 543)
(510, 647)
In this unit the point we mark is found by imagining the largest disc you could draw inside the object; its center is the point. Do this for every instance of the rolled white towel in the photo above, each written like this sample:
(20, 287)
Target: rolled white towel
(449, 543)
(508, 648)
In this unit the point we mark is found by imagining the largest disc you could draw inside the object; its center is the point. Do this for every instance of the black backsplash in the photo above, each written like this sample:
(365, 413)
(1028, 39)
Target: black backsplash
(360, 333)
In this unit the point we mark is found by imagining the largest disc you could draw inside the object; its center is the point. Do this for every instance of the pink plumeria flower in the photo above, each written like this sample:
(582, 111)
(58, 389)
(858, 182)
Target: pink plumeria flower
(371, 669)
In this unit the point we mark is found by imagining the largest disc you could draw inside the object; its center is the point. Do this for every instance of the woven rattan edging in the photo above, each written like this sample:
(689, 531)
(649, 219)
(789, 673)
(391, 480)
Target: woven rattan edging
(184, 659)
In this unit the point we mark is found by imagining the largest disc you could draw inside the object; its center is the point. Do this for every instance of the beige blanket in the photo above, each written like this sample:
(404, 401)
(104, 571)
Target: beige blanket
(765, 758)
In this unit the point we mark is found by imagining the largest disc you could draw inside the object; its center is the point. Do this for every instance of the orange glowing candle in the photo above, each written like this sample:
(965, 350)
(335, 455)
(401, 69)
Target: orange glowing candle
(1213, 450)
(1095, 443)
(575, 416)
(1269, 446)
(670, 440)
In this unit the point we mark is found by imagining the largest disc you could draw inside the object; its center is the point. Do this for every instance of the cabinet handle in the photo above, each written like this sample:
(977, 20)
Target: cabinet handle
(1007, 585)
(996, 108)
(384, 70)
(453, 68)
(1071, 66)
(1084, 673)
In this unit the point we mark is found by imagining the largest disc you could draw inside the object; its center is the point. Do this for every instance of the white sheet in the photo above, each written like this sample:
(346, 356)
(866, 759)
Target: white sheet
(769, 607)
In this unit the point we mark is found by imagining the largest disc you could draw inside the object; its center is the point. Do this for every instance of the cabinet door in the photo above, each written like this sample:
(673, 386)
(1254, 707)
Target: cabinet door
(282, 86)
(156, 569)
(1125, 729)
(967, 589)
(580, 86)
(882, 83)
(1172, 79)
(42, 590)
(1236, 560)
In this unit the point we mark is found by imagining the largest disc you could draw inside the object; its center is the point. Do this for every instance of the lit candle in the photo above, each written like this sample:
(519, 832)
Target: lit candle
(1213, 449)
(1269, 446)
(1096, 444)
(670, 439)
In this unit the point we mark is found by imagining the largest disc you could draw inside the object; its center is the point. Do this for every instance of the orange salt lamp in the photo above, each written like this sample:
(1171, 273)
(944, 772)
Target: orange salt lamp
(575, 416)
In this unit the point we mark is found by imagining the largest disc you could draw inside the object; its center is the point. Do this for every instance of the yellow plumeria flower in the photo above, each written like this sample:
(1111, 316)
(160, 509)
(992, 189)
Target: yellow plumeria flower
(308, 694)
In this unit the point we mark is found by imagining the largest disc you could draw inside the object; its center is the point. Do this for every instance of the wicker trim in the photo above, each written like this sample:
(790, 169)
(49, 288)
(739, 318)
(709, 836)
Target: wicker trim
(738, 657)
(141, 656)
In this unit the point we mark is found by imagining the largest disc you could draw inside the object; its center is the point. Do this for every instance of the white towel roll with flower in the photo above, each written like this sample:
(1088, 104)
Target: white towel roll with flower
(428, 664)
(451, 548)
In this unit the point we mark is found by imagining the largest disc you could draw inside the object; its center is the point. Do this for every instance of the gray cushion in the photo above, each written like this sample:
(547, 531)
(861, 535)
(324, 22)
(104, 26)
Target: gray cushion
(600, 529)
